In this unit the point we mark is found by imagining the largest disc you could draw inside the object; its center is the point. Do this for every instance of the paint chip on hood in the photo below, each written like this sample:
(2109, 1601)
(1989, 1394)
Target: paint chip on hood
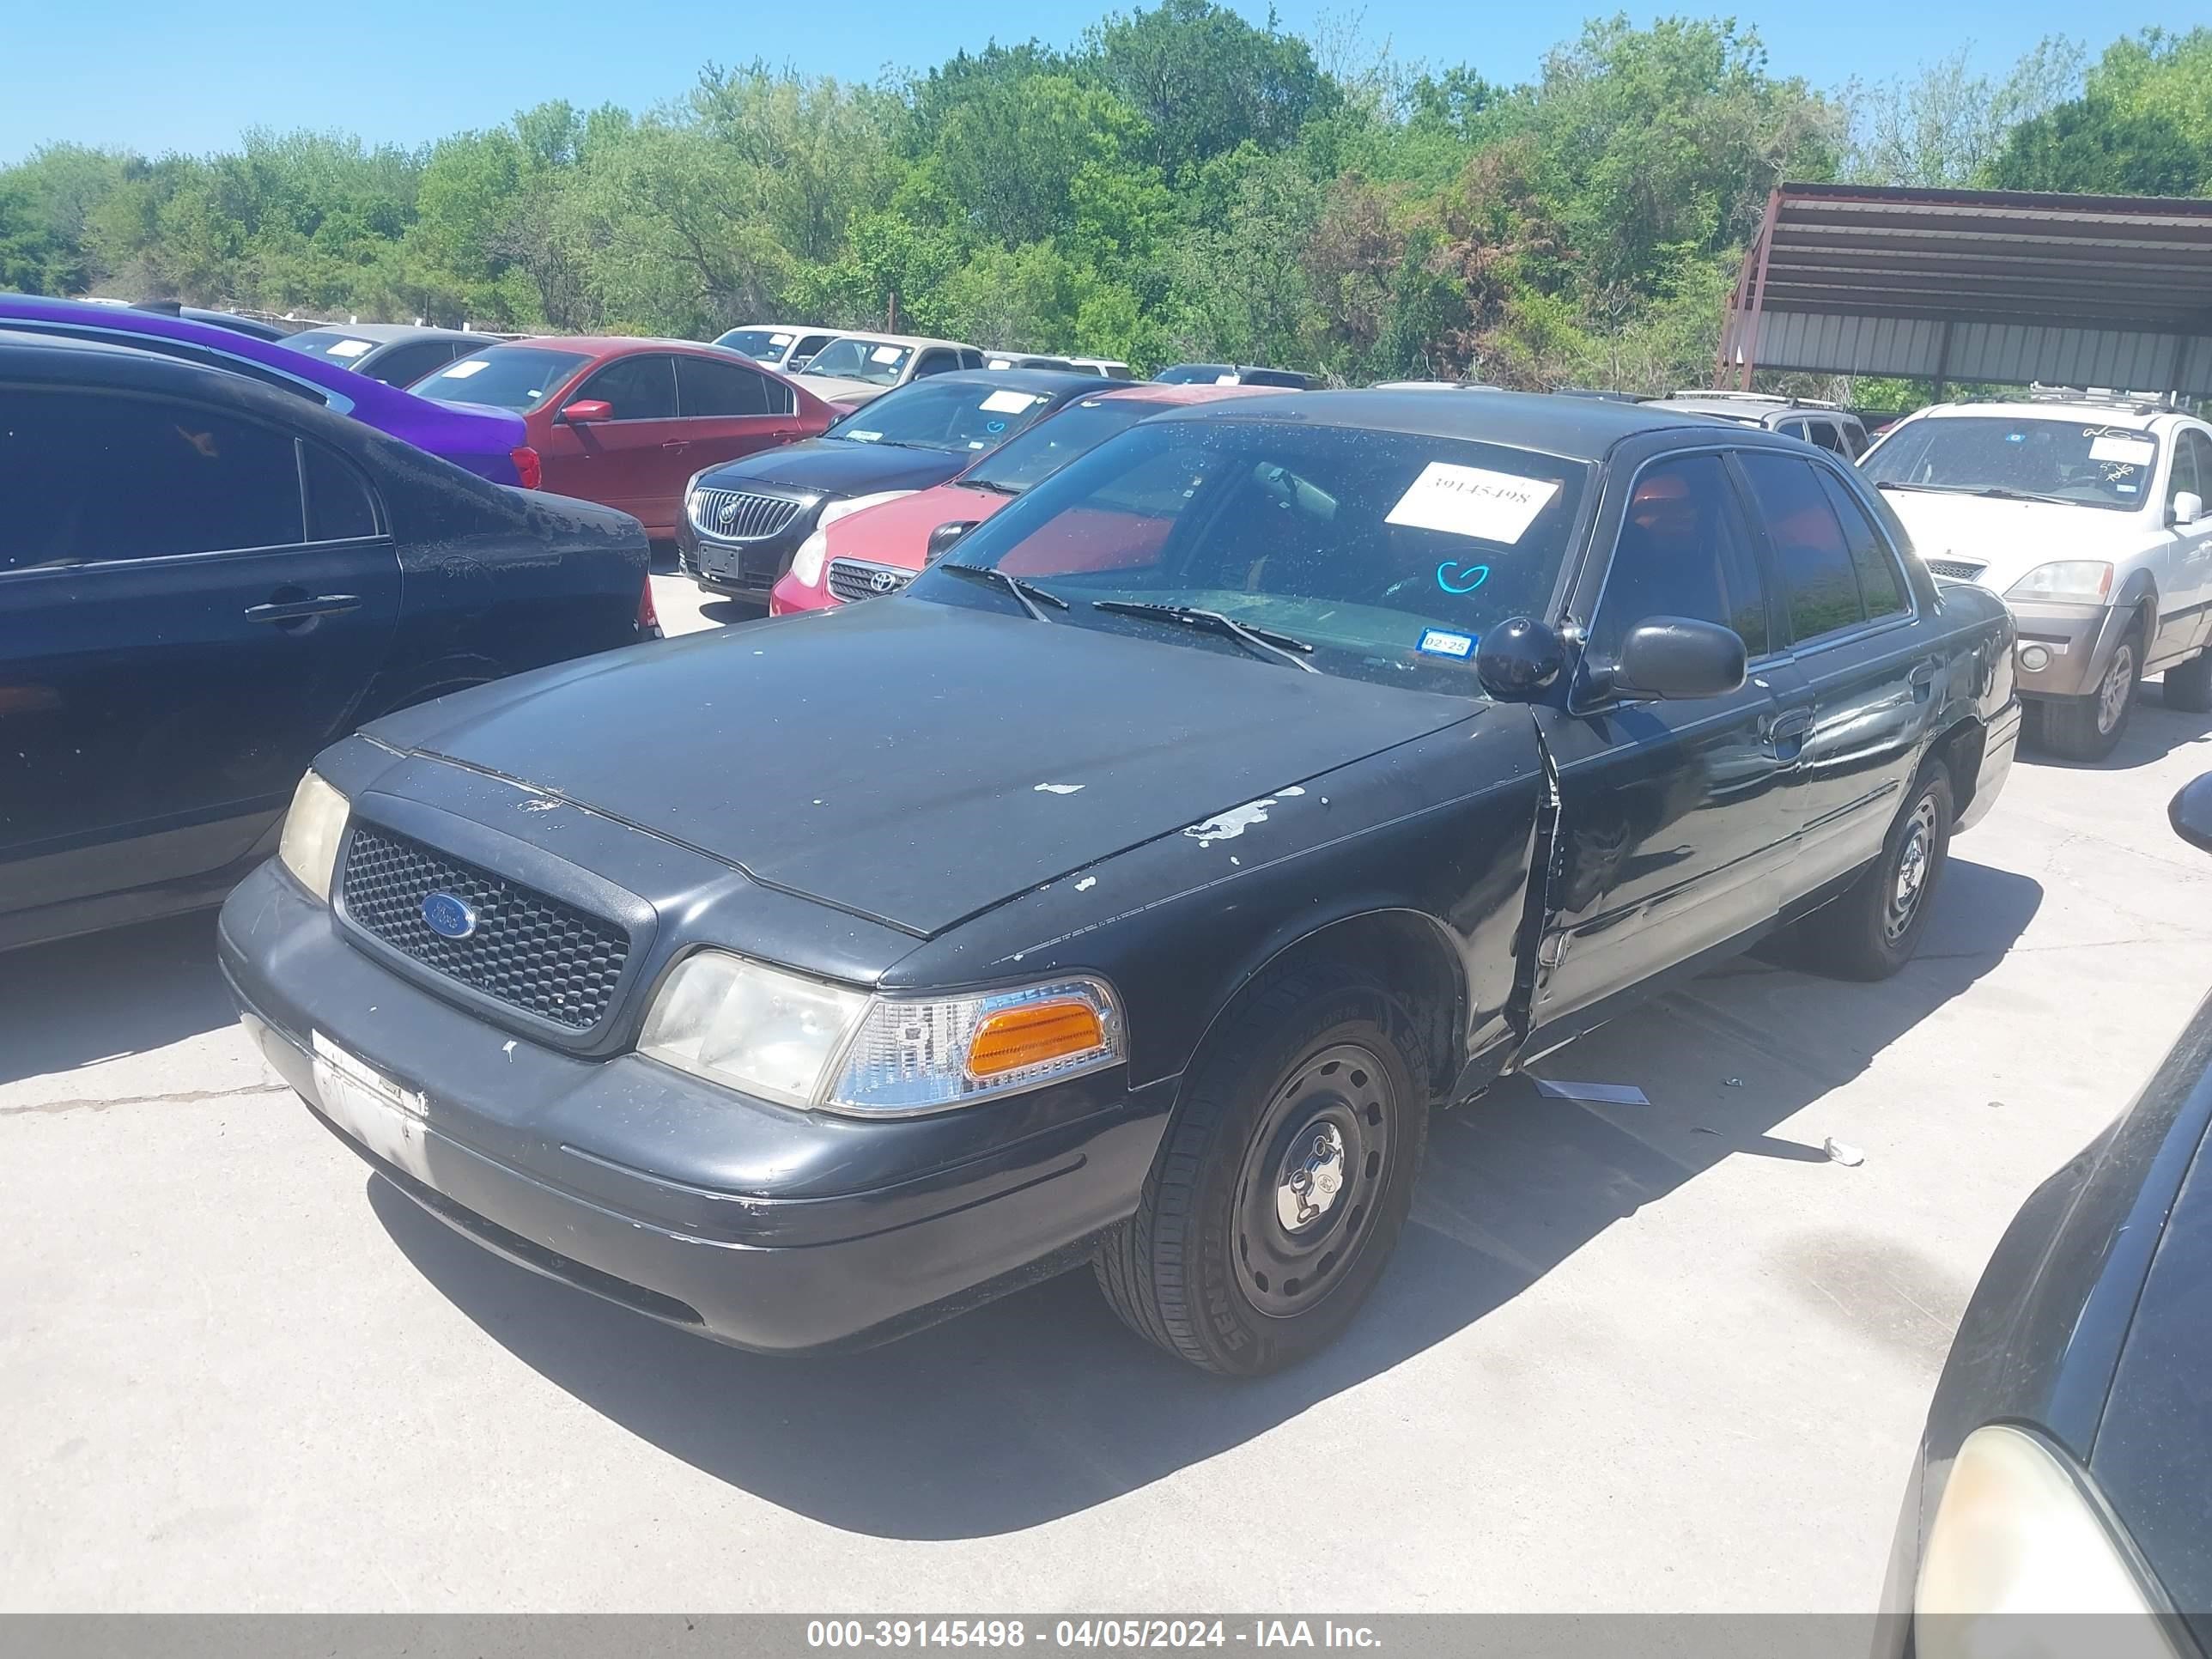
(1227, 826)
(1057, 788)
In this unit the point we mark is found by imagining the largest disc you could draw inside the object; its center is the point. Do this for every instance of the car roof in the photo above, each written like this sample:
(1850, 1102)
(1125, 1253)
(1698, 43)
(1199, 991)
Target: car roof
(1049, 382)
(610, 346)
(386, 333)
(784, 328)
(2053, 408)
(1577, 427)
(1190, 392)
(900, 339)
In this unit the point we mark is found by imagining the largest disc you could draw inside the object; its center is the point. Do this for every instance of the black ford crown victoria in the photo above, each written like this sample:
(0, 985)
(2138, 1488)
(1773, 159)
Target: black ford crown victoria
(1130, 888)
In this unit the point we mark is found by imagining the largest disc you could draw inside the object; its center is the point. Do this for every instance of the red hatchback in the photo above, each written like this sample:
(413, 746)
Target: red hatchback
(880, 550)
(626, 423)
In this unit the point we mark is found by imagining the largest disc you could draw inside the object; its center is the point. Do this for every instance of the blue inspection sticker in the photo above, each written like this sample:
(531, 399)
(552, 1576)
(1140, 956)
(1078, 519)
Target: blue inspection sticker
(1443, 642)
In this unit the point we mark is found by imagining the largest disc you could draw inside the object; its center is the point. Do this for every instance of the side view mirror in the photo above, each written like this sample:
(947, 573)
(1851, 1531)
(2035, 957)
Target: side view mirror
(2190, 813)
(1678, 657)
(942, 538)
(586, 411)
(1519, 659)
(2188, 508)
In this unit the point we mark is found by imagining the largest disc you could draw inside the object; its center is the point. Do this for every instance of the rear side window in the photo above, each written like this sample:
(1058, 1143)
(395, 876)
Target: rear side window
(704, 388)
(639, 388)
(1879, 584)
(68, 459)
(1824, 434)
(1819, 585)
(338, 504)
(404, 365)
(1683, 551)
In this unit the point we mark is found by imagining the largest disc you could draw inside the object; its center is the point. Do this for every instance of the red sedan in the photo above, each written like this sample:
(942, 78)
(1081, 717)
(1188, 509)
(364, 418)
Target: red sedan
(626, 423)
(882, 549)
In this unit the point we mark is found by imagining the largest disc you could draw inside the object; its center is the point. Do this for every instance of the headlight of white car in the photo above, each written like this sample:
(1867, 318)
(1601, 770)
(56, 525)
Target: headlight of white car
(312, 830)
(2021, 1531)
(2069, 582)
(807, 1043)
(806, 563)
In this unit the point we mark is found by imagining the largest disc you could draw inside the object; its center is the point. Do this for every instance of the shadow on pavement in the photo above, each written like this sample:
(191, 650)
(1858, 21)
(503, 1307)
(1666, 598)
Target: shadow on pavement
(121, 993)
(1042, 1405)
(2154, 732)
(732, 611)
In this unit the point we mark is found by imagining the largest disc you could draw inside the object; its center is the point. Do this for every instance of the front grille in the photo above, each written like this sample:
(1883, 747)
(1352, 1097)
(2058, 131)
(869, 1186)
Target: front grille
(1957, 570)
(856, 579)
(529, 951)
(738, 515)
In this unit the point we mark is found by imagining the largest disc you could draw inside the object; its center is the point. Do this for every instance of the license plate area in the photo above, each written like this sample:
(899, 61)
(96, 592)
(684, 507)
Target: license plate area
(388, 1120)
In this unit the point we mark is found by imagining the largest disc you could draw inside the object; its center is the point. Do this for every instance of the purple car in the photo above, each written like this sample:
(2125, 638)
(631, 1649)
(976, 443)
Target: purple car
(492, 443)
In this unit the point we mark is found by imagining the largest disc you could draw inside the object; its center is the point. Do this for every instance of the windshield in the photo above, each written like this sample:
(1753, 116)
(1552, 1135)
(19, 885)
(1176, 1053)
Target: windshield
(2081, 463)
(1050, 445)
(960, 417)
(1197, 374)
(872, 361)
(333, 345)
(505, 377)
(762, 345)
(1389, 553)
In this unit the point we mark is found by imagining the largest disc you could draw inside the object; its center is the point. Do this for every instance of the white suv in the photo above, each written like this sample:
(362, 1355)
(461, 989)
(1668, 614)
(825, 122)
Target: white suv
(2089, 518)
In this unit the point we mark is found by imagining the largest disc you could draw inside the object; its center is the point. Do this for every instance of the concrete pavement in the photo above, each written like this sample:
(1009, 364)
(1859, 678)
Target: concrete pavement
(1662, 1357)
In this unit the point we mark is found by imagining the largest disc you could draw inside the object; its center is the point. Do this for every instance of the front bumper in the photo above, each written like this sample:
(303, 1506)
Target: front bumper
(2072, 644)
(742, 570)
(532, 1153)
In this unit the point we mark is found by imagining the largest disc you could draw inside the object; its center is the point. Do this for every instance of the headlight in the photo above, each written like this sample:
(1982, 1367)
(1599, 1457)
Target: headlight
(806, 563)
(2074, 581)
(2020, 1530)
(312, 830)
(806, 1043)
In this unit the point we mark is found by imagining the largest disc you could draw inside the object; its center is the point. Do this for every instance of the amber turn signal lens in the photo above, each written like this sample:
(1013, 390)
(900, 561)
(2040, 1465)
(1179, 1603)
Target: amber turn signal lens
(1032, 1034)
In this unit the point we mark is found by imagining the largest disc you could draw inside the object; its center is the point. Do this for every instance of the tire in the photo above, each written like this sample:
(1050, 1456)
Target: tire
(2188, 685)
(2088, 728)
(1873, 928)
(1243, 1257)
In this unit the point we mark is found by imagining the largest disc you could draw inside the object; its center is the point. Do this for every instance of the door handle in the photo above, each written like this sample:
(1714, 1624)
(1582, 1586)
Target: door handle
(1786, 733)
(1924, 681)
(677, 445)
(305, 610)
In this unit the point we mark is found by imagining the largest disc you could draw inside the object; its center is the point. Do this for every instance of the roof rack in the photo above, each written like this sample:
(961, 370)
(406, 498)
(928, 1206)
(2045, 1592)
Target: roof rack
(1776, 398)
(2136, 402)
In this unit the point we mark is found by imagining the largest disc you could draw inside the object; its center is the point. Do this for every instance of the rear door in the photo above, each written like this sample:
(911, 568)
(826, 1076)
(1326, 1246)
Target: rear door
(1863, 665)
(1675, 818)
(725, 410)
(622, 462)
(195, 603)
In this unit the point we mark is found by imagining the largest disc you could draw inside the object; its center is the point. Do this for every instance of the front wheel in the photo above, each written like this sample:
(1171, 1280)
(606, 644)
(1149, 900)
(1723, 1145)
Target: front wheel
(2088, 728)
(1873, 928)
(1284, 1181)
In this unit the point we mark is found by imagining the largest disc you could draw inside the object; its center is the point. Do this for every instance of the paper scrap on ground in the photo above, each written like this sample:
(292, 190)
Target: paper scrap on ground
(1849, 1157)
(1008, 403)
(1602, 1094)
(1472, 500)
(2132, 451)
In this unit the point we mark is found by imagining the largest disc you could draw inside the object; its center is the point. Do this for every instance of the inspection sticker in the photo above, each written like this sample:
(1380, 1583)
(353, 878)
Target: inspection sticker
(1472, 500)
(1008, 403)
(2131, 452)
(1443, 642)
(886, 354)
(352, 348)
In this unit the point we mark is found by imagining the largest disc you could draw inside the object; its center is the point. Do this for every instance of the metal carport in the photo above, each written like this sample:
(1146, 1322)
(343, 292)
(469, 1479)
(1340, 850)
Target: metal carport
(2008, 286)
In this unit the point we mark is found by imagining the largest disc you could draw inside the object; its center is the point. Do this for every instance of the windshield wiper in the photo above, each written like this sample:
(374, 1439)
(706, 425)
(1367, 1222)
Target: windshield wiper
(1269, 640)
(986, 483)
(1022, 588)
(2001, 493)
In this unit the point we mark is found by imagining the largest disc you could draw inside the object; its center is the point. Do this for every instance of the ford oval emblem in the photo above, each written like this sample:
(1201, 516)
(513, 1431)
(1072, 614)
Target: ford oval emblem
(448, 917)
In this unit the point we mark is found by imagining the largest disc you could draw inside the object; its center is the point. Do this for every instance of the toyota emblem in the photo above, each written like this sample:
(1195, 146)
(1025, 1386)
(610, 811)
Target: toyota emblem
(884, 581)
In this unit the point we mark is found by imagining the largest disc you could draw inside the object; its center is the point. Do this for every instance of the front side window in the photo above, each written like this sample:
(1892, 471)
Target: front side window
(962, 417)
(2033, 457)
(1389, 553)
(764, 345)
(519, 378)
(219, 483)
(876, 362)
(2192, 469)
(1682, 551)
(704, 387)
(1819, 584)
(1879, 584)
(640, 388)
(935, 363)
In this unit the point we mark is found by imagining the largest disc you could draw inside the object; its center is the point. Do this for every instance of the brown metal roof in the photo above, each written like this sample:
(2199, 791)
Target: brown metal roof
(2134, 271)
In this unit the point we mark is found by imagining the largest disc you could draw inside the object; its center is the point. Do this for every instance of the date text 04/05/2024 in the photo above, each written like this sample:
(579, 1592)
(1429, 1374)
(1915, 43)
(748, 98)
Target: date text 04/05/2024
(1121, 1633)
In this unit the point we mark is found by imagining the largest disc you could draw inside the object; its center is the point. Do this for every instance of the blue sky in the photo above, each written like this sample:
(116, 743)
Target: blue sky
(155, 74)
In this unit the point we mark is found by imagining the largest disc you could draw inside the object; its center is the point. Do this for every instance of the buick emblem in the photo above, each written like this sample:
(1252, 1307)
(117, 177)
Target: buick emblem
(728, 515)
(884, 581)
(447, 916)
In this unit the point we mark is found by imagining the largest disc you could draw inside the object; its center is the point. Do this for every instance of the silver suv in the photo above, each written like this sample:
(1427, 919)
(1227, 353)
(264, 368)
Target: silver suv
(1818, 424)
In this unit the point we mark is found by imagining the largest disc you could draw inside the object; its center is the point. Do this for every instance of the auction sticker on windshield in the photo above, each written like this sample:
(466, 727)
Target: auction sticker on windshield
(2131, 451)
(1008, 403)
(1472, 500)
(884, 355)
(352, 348)
(474, 366)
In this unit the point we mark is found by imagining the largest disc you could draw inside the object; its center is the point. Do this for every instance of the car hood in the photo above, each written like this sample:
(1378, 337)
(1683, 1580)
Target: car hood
(836, 466)
(912, 762)
(835, 388)
(897, 533)
(2010, 538)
